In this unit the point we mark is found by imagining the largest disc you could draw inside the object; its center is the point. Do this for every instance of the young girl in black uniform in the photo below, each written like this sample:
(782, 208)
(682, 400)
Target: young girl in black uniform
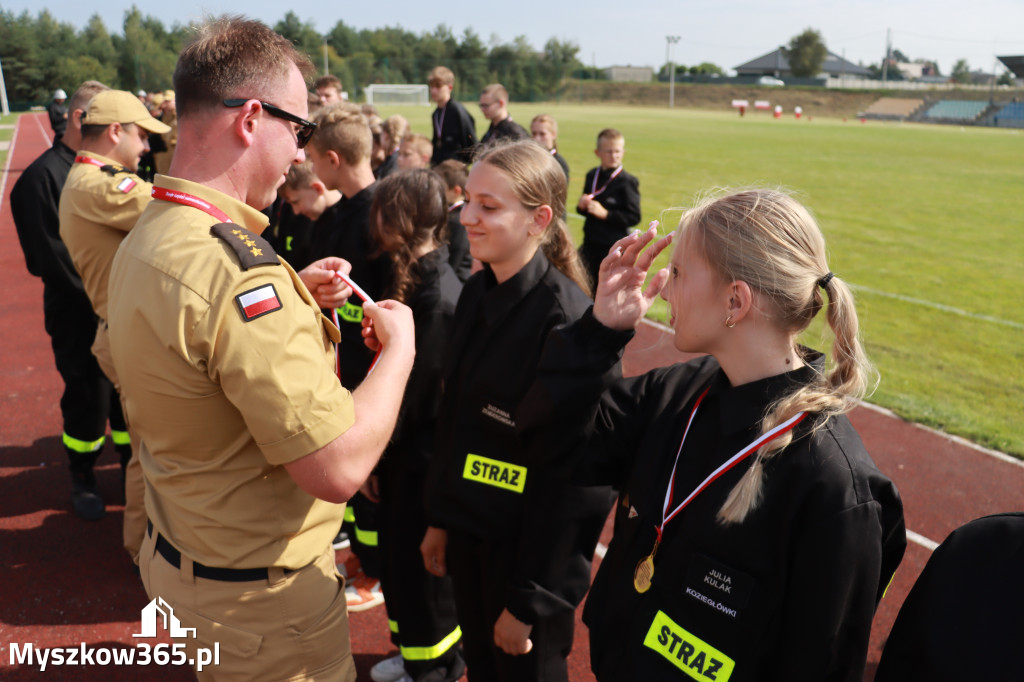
(408, 219)
(491, 467)
(754, 535)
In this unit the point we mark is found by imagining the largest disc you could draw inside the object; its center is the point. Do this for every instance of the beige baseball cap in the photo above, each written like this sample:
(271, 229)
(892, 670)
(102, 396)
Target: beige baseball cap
(118, 106)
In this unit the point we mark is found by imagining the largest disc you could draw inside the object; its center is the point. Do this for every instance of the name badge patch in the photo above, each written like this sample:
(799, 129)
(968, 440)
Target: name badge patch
(258, 302)
(692, 655)
(724, 589)
(351, 313)
(495, 472)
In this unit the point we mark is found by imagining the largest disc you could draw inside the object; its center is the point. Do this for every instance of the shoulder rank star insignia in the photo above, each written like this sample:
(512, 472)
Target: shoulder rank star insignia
(258, 302)
(251, 249)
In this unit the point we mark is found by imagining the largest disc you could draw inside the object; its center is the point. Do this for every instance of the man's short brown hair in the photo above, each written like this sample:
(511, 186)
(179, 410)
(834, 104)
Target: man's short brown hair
(342, 128)
(496, 91)
(453, 173)
(84, 94)
(327, 81)
(300, 176)
(232, 56)
(421, 144)
(441, 75)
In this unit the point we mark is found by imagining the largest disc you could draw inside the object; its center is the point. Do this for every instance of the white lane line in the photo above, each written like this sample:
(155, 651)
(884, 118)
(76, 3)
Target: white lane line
(7, 165)
(916, 538)
(1003, 457)
(939, 306)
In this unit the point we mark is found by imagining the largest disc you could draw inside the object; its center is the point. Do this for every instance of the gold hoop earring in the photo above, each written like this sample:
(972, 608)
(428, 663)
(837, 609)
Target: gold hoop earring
(727, 322)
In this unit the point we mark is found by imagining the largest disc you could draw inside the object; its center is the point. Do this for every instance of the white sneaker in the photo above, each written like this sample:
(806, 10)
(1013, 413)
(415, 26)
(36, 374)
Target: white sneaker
(363, 593)
(390, 669)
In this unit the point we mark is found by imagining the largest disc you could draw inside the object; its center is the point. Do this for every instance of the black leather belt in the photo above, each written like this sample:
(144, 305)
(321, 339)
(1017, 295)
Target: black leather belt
(231, 575)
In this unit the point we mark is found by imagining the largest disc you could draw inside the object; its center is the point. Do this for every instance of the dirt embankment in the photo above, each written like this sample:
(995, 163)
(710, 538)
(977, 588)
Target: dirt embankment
(815, 101)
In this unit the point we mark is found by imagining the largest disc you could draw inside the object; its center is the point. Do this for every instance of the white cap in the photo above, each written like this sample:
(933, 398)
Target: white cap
(60, 94)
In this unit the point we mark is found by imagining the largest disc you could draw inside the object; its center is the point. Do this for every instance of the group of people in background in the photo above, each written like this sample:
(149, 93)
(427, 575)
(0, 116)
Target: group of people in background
(432, 337)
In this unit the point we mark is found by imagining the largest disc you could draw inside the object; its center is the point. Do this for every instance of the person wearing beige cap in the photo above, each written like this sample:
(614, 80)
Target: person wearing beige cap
(101, 200)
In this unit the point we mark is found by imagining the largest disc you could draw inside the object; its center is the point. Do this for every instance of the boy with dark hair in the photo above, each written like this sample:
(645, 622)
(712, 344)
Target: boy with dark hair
(454, 173)
(454, 129)
(340, 155)
(494, 105)
(610, 201)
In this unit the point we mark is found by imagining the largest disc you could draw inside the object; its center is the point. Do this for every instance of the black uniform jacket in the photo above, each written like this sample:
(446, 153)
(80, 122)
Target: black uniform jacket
(35, 198)
(505, 129)
(343, 230)
(561, 162)
(963, 618)
(433, 308)
(492, 457)
(457, 138)
(789, 593)
(458, 245)
(622, 199)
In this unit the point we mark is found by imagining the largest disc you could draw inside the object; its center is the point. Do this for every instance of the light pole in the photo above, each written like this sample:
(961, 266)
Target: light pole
(669, 42)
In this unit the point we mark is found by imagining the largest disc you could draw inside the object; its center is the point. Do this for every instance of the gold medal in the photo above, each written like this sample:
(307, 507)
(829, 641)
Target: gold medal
(643, 574)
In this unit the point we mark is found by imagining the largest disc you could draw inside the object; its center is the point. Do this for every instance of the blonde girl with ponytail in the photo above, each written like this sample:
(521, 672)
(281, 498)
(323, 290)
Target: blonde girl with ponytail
(754, 535)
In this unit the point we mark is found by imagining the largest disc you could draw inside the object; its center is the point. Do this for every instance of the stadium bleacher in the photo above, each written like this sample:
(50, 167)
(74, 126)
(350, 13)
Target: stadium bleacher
(956, 110)
(1010, 116)
(888, 108)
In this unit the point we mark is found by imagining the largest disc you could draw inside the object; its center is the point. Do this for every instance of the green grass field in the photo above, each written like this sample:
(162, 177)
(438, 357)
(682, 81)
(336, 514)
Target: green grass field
(924, 221)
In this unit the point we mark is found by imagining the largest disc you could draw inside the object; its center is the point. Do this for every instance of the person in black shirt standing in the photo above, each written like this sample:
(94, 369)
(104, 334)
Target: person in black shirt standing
(454, 129)
(408, 220)
(88, 400)
(58, 114)
(494, 105)
(610, 201)
(754, 536)
(491, 465)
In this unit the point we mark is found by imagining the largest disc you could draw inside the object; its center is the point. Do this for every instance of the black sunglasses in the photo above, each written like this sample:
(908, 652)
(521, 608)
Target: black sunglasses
(304, 133)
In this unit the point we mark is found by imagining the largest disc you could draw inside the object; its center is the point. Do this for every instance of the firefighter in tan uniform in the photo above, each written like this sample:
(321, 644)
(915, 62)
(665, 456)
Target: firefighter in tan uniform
(250, 445)
(101, 201)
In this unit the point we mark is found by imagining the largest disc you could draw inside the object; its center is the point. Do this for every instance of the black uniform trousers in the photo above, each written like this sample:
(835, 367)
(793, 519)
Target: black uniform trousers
(89, 399)
(482, 571)
(421, 604)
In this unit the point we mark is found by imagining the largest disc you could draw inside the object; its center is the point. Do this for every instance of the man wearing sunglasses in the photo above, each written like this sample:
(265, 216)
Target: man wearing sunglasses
(249, 442)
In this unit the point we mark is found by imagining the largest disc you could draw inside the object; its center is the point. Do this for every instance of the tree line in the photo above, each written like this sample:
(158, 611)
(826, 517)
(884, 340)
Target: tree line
(40, 54)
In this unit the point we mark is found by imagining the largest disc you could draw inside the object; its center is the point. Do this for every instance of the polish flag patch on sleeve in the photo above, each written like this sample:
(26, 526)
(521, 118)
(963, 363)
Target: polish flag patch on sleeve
(126, 185)
(258, 302)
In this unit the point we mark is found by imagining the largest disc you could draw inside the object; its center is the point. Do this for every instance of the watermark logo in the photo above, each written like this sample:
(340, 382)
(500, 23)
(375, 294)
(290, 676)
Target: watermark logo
(157, 612)
(151, 615)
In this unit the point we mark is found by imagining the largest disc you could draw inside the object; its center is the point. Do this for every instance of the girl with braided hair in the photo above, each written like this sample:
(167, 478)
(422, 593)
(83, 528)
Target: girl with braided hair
(754, 535)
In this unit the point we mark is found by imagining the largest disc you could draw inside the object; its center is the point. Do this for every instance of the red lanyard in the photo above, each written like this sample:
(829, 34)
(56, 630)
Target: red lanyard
(729, 464)
(593, 186)
(89, 160)
(454, 206)
(186, 199)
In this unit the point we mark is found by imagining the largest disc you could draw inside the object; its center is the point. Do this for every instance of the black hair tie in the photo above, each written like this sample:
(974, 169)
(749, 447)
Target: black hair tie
(823, 282)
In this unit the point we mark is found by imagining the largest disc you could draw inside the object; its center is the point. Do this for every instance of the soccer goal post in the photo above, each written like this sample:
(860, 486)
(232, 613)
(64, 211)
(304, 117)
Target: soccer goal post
(397, 94)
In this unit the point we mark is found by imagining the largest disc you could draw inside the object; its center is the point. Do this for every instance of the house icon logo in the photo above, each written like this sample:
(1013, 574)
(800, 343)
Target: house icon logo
(155, 611)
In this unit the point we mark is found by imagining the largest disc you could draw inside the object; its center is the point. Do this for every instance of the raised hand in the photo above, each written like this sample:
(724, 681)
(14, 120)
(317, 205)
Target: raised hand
(621, 300)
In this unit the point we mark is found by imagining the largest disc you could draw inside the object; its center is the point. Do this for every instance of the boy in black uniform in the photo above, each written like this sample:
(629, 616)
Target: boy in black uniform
(454, 129)
(610, 201)
(494, 105)
(340, 155)
(453, 173)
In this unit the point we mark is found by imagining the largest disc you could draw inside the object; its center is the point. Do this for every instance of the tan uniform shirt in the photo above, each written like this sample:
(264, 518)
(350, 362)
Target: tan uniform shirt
(97, 209)
(221, 395)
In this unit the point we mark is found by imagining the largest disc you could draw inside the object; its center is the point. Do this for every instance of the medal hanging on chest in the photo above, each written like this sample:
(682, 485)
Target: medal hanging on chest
(643, 575)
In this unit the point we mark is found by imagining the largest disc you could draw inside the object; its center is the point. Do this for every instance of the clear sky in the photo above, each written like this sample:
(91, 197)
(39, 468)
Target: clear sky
(633, 32)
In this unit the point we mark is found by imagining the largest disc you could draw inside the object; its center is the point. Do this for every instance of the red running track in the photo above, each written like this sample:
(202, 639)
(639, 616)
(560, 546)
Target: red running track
(65, 581)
